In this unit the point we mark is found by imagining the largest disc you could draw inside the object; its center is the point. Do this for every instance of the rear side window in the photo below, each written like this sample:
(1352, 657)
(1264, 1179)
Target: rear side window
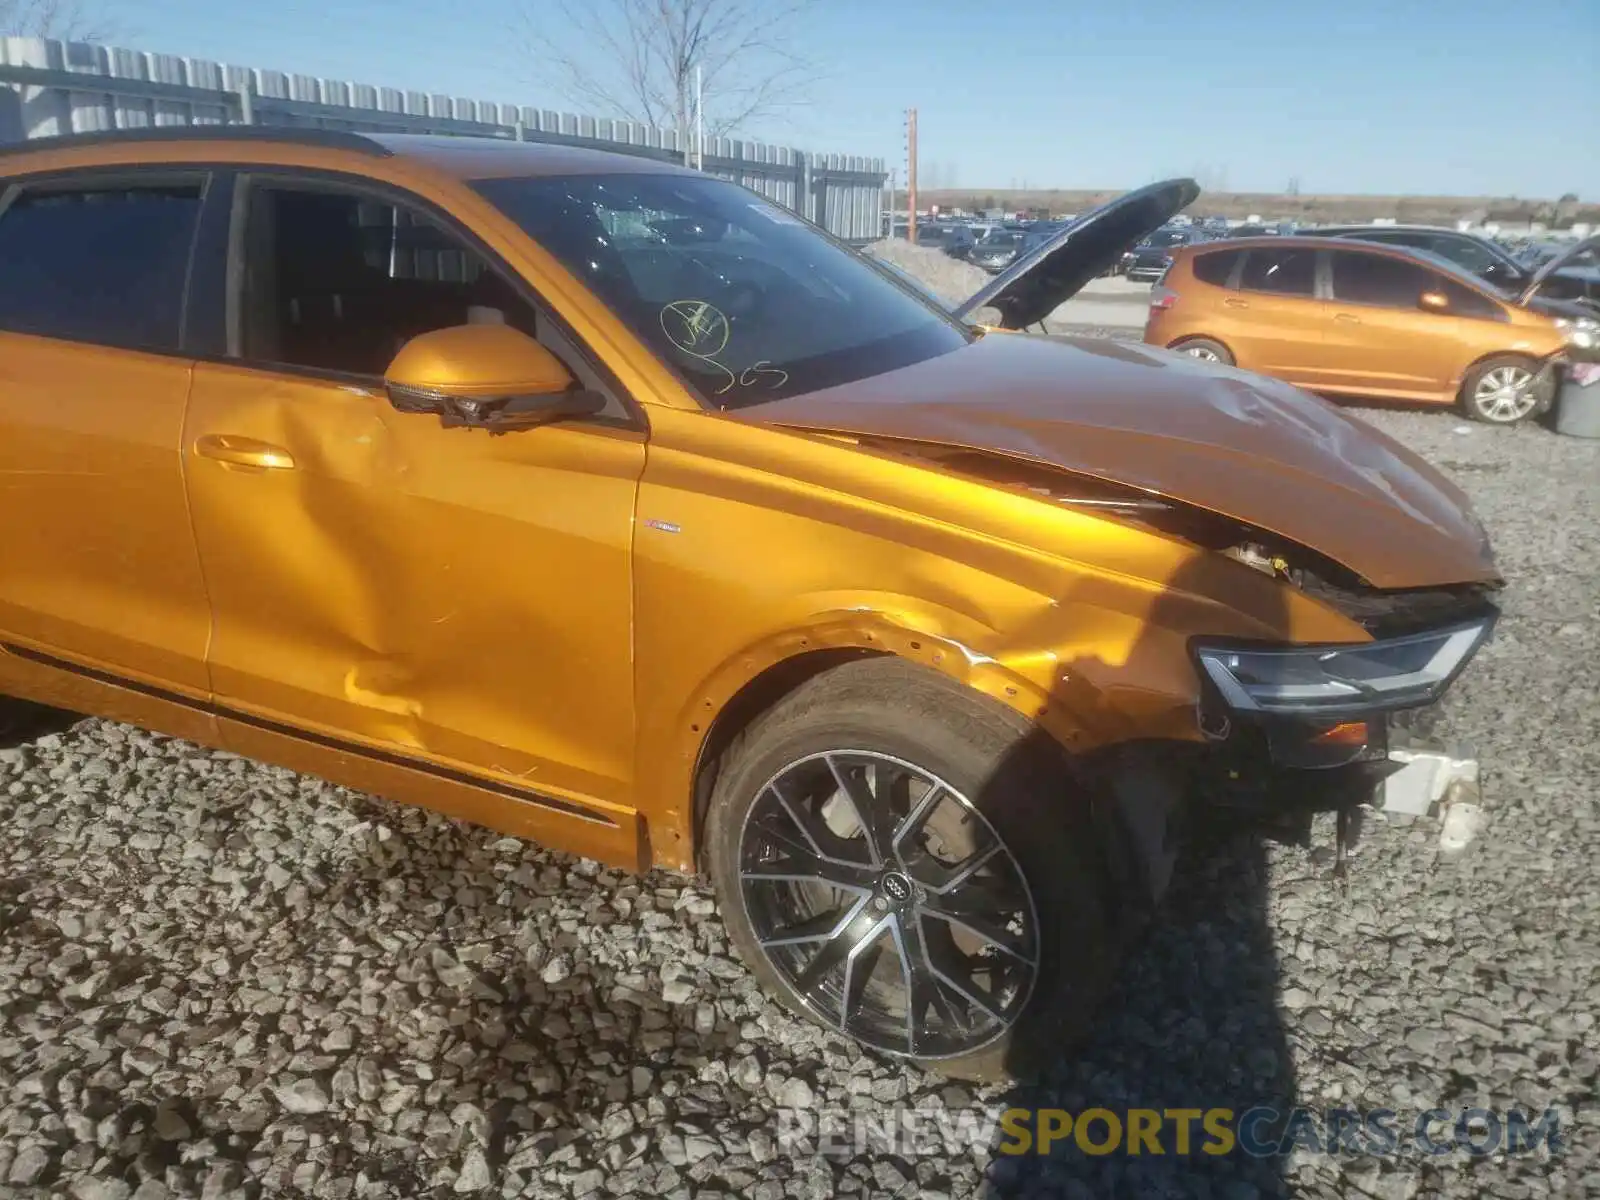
(1289, 272)
(1215, 267)
(1377, 279)
(98, 264)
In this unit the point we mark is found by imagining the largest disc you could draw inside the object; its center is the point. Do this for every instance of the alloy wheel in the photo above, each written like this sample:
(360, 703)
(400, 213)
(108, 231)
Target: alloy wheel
(888, 904)
(1504, 394)
(1202, 352)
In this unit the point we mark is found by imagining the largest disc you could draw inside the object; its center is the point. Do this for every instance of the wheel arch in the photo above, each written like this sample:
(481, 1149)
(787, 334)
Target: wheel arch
(1532, 357)
(759, 695)
(754, 681)
(1203, 337)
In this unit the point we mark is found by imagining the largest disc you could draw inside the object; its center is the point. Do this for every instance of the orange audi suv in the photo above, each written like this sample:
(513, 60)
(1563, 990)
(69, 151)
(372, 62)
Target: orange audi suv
(607, 503)
(1355, 319)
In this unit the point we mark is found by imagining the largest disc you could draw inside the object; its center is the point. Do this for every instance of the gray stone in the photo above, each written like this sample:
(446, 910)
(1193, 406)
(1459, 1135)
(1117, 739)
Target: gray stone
(303, 1096)
(28, 1165)
(677, 991)
(475, 1174)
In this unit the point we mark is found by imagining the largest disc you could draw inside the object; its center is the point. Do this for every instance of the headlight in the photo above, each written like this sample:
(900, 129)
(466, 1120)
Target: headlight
(1402, 672)
(1582, 332)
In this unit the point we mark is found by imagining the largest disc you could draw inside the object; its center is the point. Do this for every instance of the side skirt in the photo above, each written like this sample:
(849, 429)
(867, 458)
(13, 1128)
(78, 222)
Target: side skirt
(613, 836)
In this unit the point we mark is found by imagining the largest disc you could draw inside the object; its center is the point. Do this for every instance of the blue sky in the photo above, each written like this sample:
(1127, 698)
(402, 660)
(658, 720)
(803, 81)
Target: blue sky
(1457, 97)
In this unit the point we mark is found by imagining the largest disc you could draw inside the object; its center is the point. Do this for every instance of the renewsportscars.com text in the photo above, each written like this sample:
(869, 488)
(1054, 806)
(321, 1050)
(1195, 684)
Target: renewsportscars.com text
(1260, 1132)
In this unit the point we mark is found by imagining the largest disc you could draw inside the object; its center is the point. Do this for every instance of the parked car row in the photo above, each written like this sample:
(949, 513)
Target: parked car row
(1408, 313)
(994, 247)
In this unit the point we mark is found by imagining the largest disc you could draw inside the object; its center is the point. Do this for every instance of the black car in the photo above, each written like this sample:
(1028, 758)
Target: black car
(998, 249)
(954, 239)
(1577, 280)
(1149, 260)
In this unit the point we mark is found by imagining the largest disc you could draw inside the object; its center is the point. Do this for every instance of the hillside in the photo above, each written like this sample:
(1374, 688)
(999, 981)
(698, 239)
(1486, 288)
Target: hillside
(1430, 210)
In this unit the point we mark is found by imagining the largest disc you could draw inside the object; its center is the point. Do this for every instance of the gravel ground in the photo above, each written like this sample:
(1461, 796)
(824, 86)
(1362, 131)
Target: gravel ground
(221, 979)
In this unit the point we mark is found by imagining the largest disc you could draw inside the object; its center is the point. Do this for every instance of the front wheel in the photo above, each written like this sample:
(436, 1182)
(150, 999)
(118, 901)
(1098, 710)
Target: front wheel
(906, 863)
(1500, 390)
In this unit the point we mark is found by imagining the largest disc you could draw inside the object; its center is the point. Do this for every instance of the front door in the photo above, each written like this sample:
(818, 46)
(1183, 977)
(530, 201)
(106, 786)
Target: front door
(97, 562)
(459, 598)
(1380, 340)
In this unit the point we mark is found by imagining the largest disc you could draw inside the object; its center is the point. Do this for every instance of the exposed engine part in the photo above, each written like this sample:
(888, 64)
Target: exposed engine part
(1253, 555)
(1381, 613)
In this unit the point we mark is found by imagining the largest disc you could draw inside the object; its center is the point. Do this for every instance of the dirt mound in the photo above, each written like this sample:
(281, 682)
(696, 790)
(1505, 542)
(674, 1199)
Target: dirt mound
(948, 278)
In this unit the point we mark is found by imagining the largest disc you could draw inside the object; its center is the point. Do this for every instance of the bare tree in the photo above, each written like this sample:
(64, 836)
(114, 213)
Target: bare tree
(638, 58)
(69, 20)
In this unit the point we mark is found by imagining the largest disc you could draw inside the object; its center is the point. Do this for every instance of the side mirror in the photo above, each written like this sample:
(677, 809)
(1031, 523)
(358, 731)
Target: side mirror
(489, 377)
(1434, 302)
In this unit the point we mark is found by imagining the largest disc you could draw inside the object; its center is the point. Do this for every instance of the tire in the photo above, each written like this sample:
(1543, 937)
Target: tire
(1012, 784)
(1204, 348)
(1512, 402)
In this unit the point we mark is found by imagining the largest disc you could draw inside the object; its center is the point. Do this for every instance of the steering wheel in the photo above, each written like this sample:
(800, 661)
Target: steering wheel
(740, 299)
(743, 299)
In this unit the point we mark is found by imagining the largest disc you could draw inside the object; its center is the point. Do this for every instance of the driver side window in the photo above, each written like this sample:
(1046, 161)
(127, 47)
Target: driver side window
(338, 281)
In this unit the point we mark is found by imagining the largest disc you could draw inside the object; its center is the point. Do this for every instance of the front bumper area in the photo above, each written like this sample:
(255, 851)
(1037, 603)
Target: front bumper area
(1275, 777)
(1547, 382)
(1287, 731)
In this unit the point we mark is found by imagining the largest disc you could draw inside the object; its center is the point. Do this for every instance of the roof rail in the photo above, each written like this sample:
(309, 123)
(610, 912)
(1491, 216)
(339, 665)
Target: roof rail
(288, 135)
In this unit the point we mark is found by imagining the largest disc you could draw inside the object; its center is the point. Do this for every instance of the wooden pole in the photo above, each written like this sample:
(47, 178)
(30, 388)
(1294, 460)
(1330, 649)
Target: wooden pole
(911, 175)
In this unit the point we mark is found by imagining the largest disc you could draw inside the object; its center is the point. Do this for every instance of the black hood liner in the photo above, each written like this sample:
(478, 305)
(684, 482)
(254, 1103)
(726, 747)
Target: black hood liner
(1027, 292)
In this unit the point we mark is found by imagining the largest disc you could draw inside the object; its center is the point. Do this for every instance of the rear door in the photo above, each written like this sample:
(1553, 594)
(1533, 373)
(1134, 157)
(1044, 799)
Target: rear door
(1381, 341)
(1272, 318)
(97, 562)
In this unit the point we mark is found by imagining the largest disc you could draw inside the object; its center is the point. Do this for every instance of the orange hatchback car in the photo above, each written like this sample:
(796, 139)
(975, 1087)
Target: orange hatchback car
(1356, 319)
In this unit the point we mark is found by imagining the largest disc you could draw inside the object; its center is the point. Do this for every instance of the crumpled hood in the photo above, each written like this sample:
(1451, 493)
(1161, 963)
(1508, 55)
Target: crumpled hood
(1259, 451)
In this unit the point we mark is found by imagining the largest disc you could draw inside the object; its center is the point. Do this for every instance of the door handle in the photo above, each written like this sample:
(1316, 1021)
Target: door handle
(233, 451)
(1231, 303)
(1347, 318)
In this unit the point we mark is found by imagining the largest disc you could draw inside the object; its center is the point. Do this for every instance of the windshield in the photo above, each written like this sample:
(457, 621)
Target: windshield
(742, 298)
(1002, 237)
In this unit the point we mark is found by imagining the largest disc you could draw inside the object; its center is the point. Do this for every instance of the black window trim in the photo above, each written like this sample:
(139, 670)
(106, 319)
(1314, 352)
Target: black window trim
(1236, 272)
(244, 175)
(133, 175)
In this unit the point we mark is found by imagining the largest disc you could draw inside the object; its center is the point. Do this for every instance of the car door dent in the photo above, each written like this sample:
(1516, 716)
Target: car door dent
(407, 730)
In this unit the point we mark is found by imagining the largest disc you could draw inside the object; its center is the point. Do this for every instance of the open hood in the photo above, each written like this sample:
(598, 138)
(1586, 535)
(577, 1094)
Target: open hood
(1029, 289)
(1253, 449)
(1551, 267)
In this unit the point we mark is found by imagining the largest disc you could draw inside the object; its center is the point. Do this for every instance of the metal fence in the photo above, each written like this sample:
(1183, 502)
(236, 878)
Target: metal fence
(50, 87)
